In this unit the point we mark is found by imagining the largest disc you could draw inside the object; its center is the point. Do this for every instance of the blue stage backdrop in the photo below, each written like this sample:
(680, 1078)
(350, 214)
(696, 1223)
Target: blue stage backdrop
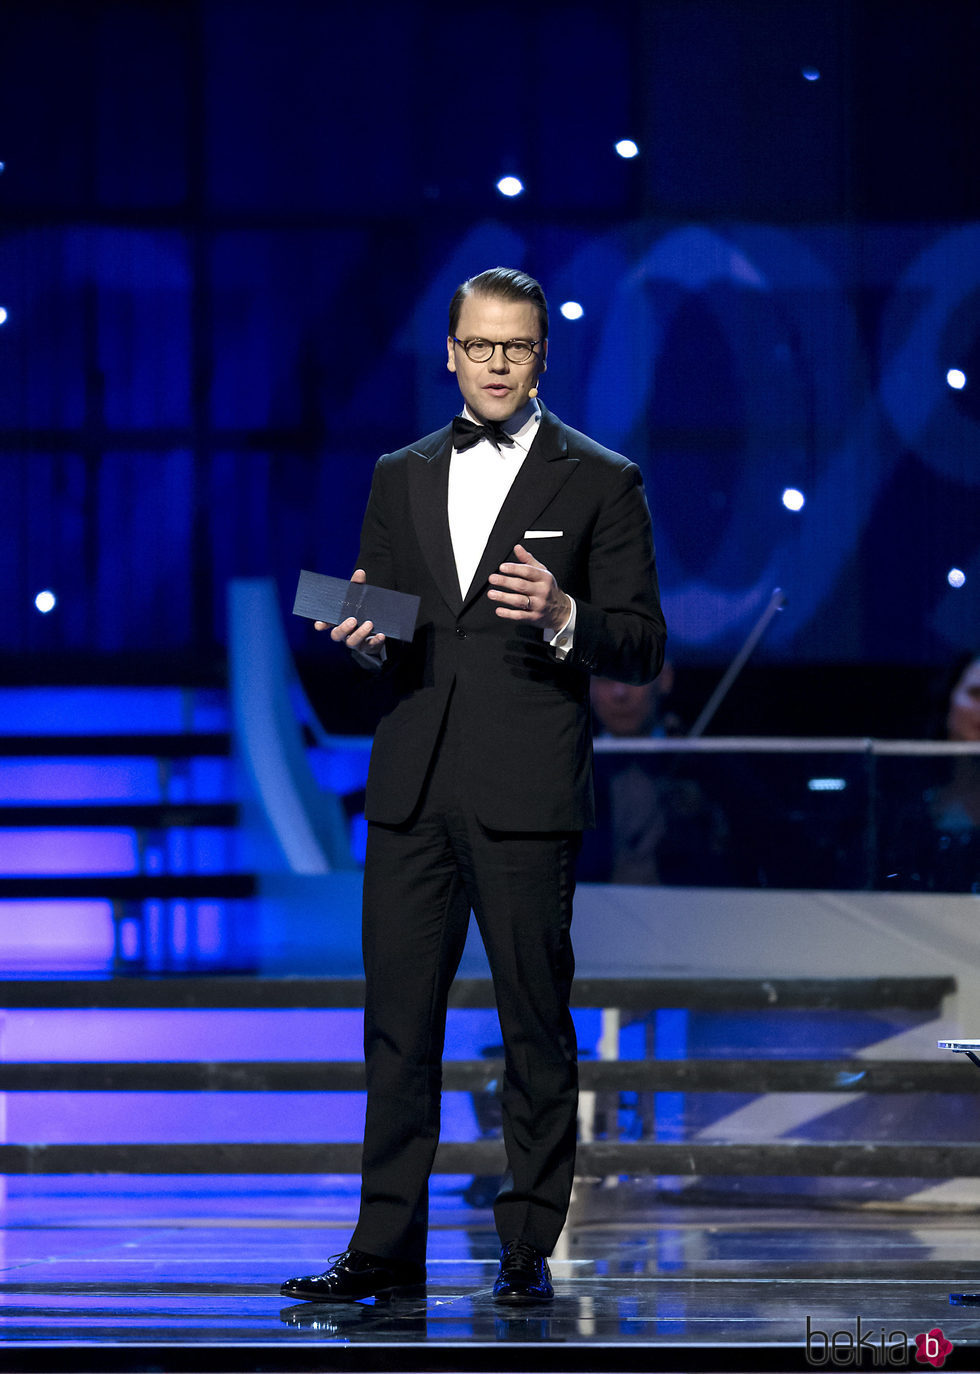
(231, 231)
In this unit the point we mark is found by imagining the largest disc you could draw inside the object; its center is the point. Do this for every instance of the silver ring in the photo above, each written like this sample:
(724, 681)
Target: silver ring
(528, 601)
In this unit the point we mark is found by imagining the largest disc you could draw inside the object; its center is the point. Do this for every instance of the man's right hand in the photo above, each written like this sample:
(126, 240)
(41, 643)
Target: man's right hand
(356, 637)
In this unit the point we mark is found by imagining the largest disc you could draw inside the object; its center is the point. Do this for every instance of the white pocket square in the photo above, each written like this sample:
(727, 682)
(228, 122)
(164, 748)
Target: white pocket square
(543, 534)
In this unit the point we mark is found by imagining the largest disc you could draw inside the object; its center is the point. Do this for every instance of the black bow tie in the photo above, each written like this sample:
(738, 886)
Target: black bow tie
(466, 433)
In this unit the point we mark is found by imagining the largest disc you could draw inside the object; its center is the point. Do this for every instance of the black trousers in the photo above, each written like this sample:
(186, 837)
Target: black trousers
(421, 881)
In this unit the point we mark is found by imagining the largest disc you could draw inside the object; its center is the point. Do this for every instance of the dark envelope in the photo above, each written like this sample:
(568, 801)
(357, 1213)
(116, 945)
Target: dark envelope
(334, 599)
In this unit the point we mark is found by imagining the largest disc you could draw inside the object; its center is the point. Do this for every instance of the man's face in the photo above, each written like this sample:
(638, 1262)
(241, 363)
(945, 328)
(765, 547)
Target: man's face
(496, 389)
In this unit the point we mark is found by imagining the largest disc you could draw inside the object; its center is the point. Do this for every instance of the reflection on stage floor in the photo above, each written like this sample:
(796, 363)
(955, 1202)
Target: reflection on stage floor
(169, 1274)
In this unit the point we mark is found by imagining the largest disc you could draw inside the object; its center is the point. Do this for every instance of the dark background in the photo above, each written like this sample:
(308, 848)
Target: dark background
(230, 229)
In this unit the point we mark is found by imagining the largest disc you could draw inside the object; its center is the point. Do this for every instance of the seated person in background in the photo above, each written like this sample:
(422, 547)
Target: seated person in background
(963, 715)
(954, 807)
(938, 846)
(659, 828)
(625, 710)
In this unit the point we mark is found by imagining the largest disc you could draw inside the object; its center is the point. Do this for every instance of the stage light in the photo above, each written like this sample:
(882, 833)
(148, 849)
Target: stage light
(3, 314)
(956, 577)
(826, 784)
(793, 499)
(627, 148)
(510, 186)
(811, 74)
(45, 601)
(3, 168)
(571, 310)
(956, 379)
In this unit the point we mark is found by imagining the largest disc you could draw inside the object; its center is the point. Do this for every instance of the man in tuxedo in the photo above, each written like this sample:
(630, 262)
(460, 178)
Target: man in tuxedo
(530, 548)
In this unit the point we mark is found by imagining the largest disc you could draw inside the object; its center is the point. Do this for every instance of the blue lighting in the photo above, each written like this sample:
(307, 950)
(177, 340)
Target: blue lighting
(571, 310)
(116, 779)
(50, 851)
(956, 379)
(956, 577)
(627, 148)
(55, 935)
(134, 1035)
(793, 499)
(826, 784)
(811, 74)
(98, 710)
(510, 186)
(45, 602)
(3, 314)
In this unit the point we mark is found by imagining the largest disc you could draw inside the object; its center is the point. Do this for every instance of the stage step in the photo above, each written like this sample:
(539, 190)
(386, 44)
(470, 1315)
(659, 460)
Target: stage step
(209, 744)
(483, 1075)
(917, 994)
(137, 887)
(603, 1159)
(139, 816)
(851, 1077)
(118, 830)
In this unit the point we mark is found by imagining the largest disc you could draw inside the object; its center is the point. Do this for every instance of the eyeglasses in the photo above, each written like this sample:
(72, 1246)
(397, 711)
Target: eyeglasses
(482, 350)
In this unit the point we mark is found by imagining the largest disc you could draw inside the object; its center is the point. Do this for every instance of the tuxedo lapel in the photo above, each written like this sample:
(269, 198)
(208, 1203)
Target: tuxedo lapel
(428, 487)
(544, 471)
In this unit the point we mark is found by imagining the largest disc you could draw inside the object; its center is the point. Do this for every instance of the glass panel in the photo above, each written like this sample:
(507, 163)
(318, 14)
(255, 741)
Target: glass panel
(844, 815)
(928, 820)
(755, 815)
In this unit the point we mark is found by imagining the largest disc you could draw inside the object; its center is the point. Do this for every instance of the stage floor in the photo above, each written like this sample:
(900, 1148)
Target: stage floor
(184, 1275)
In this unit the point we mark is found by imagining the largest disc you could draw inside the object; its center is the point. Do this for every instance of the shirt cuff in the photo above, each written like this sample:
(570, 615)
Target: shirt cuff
(561, 640)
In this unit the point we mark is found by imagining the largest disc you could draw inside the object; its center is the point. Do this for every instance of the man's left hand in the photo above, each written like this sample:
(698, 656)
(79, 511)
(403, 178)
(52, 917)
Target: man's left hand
(527, 591)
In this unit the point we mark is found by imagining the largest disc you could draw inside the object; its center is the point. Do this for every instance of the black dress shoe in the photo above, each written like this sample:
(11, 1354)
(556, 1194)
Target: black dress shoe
(524, 1275)
(355, 1275)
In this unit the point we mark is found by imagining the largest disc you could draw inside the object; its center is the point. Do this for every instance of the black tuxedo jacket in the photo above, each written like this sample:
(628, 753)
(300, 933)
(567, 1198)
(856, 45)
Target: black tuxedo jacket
(525, 716)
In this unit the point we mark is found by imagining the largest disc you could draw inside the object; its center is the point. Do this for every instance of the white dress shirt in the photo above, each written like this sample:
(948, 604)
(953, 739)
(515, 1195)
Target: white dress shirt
(479, 479)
